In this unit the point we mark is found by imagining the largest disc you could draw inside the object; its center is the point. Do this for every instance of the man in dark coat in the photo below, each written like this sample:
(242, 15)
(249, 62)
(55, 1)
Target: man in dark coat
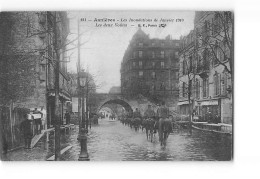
(27, 129)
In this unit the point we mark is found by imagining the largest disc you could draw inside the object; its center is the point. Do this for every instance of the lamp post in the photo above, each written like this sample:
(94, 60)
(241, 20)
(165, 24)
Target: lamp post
(83, 156)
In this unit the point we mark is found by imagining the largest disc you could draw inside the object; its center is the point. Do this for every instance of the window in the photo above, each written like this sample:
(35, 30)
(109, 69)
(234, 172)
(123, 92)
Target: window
(153, 54)
(162, 44)
(205, 87)
(190, 65)
(28, 30)
(162, 54)
(224, 84)
(153, 75)
(140, 64)
(216, 24)
(226, 49)
(162, 64)
(183, 68)
(140, 44)
(134, 54)
(197, 88)
(43, 68)
(183, 89)
(153, 64)
(216, 84)
(221, 52)
(134, 64)
(141, 73)
(153, 44)
(140, 54)
(177, 44)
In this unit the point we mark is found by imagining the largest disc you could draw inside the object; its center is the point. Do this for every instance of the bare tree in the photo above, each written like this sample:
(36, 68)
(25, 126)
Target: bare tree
(217, 36)
(190, 71)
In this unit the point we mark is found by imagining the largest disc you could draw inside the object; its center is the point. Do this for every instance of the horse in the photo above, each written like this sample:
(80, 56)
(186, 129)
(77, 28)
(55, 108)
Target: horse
(151, 128)
(164, 130)
(137, 123)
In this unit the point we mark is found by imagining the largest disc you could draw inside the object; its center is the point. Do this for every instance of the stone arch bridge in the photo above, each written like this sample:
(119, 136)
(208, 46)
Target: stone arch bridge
(99, 100)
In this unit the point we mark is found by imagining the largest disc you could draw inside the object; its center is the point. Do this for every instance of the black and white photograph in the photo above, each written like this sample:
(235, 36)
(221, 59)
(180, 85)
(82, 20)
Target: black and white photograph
(117, 85)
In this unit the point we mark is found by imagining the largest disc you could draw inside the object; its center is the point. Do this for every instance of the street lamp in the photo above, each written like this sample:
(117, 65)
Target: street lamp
(83, 156)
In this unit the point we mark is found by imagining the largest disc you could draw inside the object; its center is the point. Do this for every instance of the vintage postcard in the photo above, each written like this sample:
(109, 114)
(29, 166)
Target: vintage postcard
(116, 85)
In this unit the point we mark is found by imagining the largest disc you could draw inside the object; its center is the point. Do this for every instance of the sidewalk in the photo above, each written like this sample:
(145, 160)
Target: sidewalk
(43, 149)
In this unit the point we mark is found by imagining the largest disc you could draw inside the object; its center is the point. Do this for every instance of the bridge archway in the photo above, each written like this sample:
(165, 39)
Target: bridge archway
(121, 102)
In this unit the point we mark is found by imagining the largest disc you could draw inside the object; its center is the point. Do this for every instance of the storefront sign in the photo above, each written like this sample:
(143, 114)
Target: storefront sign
(183, 102)
(208, 103)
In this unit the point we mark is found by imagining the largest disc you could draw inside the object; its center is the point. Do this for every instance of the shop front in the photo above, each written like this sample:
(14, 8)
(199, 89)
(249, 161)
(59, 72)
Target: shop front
(183, 107)
(209, 111)
(64, 105)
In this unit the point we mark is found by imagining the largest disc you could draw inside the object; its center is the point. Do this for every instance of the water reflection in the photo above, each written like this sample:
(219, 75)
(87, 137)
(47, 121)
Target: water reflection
(113, 141)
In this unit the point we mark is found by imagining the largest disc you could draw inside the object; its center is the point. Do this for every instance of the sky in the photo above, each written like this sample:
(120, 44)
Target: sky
(104, 47)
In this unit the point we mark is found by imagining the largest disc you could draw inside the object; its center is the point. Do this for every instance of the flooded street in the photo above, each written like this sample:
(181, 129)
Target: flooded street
(114, 141)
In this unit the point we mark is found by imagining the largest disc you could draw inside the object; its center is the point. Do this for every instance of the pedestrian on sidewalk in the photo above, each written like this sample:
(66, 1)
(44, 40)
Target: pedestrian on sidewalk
(43, 120)
(27, 129)
(38, 121)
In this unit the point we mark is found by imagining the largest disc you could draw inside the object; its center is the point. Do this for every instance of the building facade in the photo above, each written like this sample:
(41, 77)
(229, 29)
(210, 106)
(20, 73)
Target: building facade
(206, 68)
(150, 67)
(28, 59)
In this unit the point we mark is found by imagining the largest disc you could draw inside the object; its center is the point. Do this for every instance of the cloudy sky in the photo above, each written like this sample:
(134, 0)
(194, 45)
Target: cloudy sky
(104, 47)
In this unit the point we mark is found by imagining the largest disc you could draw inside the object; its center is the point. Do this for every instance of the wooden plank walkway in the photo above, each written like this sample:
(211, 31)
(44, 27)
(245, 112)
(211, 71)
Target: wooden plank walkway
(61, 152)
(36, 138)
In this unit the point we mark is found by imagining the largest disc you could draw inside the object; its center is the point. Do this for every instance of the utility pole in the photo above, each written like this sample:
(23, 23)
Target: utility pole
(78, 81)
(87, 103)
(57, 89)
(83, 156)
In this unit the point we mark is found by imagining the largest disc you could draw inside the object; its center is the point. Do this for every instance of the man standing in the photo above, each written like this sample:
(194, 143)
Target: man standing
(44, 121)
(38, 121)
(27, 129)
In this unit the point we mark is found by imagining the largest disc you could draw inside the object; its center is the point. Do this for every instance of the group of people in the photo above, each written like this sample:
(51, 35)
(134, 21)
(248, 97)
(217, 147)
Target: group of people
(151, 121)
(34, 124)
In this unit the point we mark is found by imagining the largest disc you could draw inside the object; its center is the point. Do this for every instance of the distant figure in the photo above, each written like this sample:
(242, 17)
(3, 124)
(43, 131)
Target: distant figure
(95, 119)
(137, 113)
(27, 129)
(209, 116)
(67, 117)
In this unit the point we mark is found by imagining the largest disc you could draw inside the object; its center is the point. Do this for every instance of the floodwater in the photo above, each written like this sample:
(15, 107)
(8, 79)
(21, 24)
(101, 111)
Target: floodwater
(112, 141)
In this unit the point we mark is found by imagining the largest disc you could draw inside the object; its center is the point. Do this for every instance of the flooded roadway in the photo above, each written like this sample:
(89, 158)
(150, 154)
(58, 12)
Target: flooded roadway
(112, 141)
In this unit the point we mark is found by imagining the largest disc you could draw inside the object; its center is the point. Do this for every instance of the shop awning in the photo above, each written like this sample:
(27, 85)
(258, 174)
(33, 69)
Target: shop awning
(61, 94)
